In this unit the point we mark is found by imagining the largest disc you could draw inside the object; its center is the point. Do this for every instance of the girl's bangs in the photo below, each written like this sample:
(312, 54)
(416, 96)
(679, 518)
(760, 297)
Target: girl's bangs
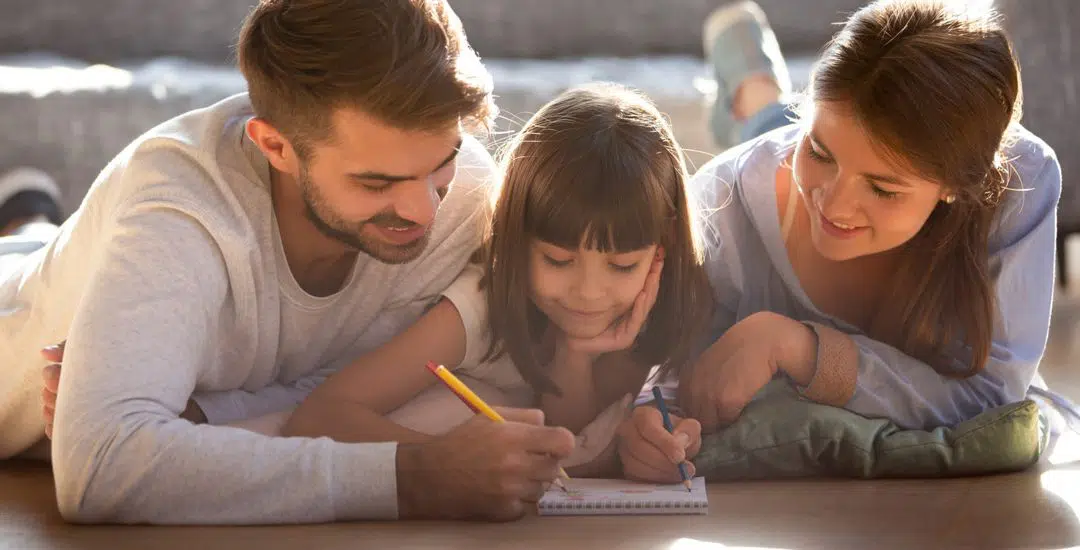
(604, 204)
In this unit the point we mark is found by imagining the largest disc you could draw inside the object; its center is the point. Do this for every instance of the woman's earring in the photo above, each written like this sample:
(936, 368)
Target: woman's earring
(950, 199)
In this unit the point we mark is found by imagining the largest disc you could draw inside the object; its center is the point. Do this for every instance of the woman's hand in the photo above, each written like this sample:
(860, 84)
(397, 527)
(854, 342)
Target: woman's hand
(738, 365)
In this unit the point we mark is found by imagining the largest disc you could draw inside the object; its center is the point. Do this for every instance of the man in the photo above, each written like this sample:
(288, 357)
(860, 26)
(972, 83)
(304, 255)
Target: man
(229, 259)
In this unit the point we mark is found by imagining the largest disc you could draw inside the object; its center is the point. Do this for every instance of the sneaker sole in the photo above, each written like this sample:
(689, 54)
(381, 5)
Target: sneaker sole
(727, 16)
(27, 179)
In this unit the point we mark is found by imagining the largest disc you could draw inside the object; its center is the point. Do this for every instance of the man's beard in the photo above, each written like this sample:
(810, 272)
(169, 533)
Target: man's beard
(327, 222)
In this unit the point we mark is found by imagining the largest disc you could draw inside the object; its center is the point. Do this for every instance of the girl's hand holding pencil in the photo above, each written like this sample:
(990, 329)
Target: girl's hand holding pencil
(649, 452)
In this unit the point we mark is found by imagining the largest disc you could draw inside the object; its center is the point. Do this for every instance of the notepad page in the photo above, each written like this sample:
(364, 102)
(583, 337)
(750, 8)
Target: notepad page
(622, 497)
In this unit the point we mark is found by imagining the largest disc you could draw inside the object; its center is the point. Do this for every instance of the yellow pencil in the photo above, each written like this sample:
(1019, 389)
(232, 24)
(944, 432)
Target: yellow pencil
(474, 402)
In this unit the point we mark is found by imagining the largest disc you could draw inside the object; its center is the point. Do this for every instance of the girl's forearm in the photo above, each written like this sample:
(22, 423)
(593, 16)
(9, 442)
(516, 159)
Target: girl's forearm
(578, 405)
(347, 423)
(589, 385)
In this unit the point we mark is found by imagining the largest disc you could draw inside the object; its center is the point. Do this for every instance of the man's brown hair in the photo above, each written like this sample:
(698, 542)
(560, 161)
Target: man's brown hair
(598, 166)
(405, 62)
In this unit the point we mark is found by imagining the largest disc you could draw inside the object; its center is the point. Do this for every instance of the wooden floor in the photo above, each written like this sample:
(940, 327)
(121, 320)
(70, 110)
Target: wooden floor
(1035, 509)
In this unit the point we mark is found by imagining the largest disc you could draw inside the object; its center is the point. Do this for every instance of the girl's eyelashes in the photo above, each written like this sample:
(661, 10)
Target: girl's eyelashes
(624, 268)
(556, 263)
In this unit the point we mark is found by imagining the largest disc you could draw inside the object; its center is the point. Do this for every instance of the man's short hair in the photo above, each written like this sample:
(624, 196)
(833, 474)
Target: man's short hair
(407, 63)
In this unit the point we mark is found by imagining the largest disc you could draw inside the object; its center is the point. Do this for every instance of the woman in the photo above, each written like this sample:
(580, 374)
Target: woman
(892, 252)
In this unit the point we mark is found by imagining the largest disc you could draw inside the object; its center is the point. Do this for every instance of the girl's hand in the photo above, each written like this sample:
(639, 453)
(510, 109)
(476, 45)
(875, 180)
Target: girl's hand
(650, 453)
(738, 365)
(621, 334)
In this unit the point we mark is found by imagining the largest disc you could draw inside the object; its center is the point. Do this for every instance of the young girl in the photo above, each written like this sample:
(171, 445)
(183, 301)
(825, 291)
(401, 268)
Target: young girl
(893, 252)
(590, 276)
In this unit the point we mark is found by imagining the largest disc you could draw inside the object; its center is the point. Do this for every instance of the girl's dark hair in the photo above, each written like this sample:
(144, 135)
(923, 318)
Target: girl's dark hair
(598, 165)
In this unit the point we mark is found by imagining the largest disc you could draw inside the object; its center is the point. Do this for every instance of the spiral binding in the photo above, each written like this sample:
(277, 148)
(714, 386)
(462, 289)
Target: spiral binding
(616, 505)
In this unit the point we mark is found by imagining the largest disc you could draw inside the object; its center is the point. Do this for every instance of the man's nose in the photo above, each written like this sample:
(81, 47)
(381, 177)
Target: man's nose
(418, 201)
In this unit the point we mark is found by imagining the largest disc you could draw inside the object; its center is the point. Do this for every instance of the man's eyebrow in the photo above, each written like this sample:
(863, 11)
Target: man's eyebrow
(393, 178)
(453, 155)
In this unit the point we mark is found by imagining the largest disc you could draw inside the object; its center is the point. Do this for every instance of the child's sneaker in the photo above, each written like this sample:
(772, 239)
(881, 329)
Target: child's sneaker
(739, 44)
(27, 194)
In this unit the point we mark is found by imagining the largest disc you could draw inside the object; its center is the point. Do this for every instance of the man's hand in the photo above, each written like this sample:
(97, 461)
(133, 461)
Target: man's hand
(50, 376)
(481, 469)
(650, 453)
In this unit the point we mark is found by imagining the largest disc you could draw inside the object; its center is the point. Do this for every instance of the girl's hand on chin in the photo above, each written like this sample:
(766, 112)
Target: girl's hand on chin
(622, 334)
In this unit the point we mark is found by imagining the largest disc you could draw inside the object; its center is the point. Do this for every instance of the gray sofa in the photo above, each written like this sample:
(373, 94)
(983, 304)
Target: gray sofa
(1043, 33)
(158, 58)
(79, 79)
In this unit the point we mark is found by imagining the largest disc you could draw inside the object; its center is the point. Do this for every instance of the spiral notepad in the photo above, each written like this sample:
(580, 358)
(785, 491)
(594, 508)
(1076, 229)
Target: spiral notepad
(620, 497)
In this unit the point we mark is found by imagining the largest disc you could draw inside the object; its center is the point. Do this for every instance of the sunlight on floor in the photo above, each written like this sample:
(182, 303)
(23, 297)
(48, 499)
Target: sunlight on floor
(694, 544)
(1065, 484)
(1066, 450)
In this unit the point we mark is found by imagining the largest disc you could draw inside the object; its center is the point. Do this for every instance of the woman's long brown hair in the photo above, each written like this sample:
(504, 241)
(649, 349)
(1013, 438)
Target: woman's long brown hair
(597, 166)
(938, 87)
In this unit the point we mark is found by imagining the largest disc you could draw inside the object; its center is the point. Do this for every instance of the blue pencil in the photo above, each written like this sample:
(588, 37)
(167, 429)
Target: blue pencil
(667, 426)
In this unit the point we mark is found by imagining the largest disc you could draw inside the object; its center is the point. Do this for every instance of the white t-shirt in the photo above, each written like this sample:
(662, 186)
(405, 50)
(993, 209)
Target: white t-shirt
(471, 303)
(169, 281)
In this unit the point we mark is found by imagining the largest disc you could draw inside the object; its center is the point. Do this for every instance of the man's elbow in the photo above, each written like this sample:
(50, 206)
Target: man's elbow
(93, 485)
(76, 510)
(85, 502)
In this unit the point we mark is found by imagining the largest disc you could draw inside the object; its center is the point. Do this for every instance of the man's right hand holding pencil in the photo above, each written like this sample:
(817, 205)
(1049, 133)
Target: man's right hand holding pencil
(481, 469)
